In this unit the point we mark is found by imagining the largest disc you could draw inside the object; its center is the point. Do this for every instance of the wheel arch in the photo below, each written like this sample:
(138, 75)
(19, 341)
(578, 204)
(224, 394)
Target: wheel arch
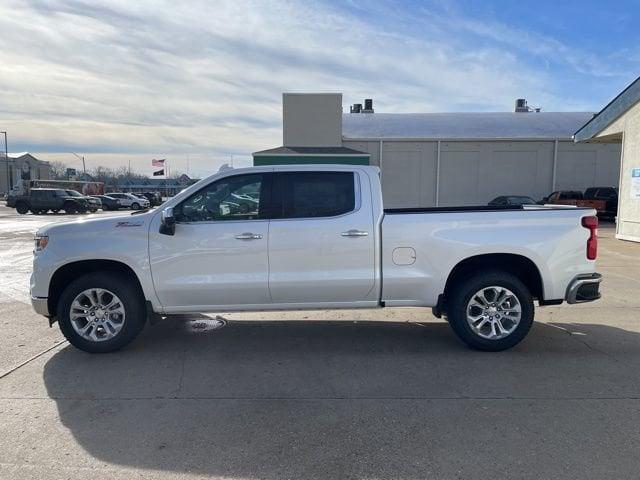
(522, 267)
(69, 272)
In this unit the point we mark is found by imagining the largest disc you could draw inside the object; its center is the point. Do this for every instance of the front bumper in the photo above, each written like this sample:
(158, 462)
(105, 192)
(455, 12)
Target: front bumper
(584, 288)
(41, 306)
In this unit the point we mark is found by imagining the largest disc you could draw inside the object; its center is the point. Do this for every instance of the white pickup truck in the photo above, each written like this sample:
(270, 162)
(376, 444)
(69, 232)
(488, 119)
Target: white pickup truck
(311, 237)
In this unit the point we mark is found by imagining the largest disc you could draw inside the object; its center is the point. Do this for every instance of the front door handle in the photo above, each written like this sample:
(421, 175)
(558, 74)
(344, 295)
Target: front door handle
(248, 236)
(354, 233)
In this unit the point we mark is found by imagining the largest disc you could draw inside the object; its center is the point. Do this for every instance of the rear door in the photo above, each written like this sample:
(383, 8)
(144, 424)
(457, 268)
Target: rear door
(39, 199)
(321, 238)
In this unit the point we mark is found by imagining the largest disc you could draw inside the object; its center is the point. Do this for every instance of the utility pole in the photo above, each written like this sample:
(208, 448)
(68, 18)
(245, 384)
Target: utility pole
(6, 159)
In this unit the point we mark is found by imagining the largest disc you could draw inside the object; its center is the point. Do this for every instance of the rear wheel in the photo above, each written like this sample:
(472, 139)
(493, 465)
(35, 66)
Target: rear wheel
(22, 208)
(101, 312)
(490, 311)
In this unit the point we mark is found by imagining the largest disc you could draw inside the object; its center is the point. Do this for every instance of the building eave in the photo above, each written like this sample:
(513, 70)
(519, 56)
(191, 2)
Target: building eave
(610, 113)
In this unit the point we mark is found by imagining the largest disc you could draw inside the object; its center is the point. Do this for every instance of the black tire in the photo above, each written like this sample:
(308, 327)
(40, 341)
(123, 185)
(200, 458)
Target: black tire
(462, 293)
(93, 210)
(22, 208)
(127, 291)
(70, 208)
(135, 206)
(55, 211)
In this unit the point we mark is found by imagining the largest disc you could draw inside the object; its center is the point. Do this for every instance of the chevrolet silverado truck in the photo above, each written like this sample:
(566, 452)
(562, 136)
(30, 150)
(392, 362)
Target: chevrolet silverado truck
(311, 237)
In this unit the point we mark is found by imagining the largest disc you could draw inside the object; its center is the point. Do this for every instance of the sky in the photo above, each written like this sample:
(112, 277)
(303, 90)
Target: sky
(200, 82)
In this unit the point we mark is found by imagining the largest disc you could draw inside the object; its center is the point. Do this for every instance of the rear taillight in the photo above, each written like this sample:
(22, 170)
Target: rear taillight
(592, 243)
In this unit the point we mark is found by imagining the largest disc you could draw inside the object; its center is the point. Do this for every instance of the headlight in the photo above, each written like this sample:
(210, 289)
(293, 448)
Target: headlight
(41, 242)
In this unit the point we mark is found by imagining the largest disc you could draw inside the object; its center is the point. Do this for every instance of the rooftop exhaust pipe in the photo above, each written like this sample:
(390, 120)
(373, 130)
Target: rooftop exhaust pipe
(357, 107)
(521, 106)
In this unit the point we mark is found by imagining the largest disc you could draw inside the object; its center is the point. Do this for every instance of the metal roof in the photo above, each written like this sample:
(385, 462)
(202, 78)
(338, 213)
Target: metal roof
(311, 151)
(19, 155)
(464, 126)
(611, 112)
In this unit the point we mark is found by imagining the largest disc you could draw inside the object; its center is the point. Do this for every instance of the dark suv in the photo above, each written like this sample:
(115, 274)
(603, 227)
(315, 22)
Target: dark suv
(41, 200)
(154, 197)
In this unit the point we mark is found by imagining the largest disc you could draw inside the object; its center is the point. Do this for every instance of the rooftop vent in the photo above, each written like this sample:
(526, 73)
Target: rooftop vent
(357, 107)
(521, 106)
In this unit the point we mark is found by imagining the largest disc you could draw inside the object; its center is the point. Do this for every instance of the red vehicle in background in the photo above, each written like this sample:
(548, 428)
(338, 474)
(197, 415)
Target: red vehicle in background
(84, 187)
(603, 199)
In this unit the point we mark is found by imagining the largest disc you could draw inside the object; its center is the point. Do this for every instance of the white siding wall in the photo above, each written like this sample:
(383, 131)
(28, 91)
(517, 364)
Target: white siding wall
(629, 212)
(473, 173)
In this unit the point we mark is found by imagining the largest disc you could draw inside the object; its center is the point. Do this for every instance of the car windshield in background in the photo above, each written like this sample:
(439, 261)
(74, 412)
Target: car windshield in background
(521, 201)
(73, 193)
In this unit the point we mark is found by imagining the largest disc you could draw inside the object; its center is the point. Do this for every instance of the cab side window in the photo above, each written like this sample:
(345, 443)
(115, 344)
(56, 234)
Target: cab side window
(241, 197)
(314, 194)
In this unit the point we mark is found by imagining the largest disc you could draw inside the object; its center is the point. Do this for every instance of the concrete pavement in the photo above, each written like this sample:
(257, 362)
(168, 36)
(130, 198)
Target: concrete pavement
(271, 396)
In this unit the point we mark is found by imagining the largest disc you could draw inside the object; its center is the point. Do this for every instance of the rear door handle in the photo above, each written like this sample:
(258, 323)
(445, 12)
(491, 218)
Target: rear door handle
(354, 233)
(248, 236)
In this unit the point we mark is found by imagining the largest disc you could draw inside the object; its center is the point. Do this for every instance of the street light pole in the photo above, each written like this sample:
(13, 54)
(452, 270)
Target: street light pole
(84, 168)
(6, 159)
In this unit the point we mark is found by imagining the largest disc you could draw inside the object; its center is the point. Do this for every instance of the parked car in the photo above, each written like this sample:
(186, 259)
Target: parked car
(317, 238)
(129, 200)
(108, 202)
(513, 200)
(93, 204)
(154, 198)
(41, 200)
(603, 199)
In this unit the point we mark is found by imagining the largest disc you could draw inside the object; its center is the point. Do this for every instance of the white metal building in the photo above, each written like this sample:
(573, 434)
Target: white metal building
(443, 159)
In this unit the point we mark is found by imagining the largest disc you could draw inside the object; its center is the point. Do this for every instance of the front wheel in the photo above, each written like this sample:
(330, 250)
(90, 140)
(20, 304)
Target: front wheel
(101, 312)
(491, 311)
(135, 206)
(70, 208)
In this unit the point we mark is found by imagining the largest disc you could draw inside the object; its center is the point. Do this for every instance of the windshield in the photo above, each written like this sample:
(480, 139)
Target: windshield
(73, 193)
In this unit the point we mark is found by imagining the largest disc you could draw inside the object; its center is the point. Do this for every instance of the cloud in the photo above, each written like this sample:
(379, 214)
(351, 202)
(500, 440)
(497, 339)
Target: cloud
(151, 78)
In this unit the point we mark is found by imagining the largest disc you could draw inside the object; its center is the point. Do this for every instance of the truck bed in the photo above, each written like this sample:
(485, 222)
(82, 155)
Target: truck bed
(479, 208)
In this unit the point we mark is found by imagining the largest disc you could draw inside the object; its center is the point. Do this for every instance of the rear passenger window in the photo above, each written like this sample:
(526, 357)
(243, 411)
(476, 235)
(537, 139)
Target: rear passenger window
(315, 194)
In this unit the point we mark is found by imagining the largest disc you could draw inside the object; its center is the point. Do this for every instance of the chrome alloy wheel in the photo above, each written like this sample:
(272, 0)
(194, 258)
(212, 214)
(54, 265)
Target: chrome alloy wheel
(97, 314)
(493, 312)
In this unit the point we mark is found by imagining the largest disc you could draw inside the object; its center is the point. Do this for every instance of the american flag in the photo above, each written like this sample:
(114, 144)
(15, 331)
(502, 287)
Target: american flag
(157, 163)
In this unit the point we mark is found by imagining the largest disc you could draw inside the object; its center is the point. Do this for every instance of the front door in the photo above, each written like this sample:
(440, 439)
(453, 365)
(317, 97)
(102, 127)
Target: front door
(321, 239)
(218, 255)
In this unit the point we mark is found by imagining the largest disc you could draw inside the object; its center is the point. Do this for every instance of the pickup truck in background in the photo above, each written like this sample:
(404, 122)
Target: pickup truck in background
(603, 199)
(41, 200)
(311, 237)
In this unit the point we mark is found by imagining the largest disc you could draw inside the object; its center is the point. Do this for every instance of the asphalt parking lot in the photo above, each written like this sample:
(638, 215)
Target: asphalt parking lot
(270, 396)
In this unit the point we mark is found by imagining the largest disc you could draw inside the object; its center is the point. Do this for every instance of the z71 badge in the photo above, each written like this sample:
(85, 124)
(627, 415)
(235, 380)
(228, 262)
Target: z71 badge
(128, 224)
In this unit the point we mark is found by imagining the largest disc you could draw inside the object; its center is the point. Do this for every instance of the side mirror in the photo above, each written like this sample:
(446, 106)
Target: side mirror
(168, 222)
